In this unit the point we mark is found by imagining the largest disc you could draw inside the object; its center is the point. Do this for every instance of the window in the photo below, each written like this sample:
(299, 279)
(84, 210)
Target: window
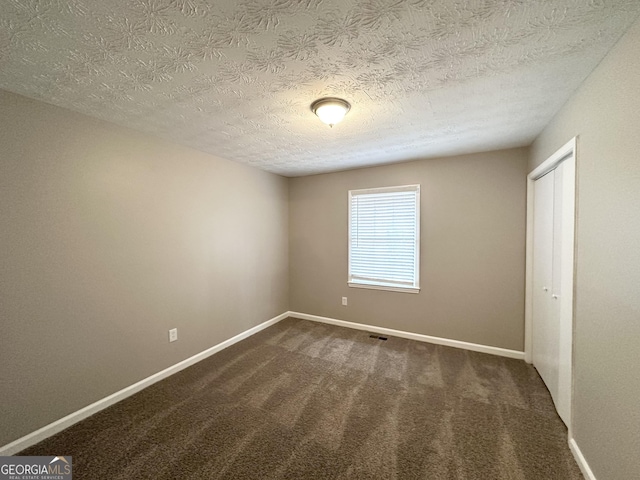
(384, 238)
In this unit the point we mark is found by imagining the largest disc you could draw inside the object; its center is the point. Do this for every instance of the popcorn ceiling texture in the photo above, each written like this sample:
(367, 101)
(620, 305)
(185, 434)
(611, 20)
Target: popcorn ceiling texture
(236, 78)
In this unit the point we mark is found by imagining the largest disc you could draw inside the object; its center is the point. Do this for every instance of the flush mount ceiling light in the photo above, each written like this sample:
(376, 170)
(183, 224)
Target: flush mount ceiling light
(330, 110)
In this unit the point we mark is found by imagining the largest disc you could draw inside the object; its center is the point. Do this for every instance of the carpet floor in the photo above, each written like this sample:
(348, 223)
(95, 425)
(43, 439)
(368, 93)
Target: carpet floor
(304, 400)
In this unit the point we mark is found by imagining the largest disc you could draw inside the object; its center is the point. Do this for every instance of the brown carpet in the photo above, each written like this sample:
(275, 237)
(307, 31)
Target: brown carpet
(303, 400)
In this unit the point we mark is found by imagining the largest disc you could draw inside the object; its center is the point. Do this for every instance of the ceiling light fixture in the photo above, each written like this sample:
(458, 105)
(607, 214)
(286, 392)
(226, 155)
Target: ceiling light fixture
(330, 110)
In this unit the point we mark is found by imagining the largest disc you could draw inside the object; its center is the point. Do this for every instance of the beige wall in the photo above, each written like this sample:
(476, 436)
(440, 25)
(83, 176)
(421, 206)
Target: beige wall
(108, 239)
(605, 114)
(471, 257)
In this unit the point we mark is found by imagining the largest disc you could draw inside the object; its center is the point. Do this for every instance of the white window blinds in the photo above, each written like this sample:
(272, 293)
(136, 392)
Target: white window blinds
(384, 238)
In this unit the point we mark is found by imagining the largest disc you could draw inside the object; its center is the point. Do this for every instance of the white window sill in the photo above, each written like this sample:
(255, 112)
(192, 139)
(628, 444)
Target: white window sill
(384, 287)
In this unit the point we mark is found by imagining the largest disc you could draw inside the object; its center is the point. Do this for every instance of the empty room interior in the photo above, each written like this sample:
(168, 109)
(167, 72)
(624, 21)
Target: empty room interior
(337, 239)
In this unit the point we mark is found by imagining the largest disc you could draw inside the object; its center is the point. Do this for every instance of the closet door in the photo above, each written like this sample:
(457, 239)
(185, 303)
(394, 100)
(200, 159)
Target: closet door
(561, 294)
(546, 314)
(551, 189)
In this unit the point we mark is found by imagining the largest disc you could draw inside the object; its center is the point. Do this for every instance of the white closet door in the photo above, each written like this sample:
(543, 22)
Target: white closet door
(550, 274)
(562, 295)
(546, 313)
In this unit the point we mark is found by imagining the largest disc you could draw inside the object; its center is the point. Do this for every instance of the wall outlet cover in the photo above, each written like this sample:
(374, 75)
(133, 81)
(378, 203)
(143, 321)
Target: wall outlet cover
(173, 335)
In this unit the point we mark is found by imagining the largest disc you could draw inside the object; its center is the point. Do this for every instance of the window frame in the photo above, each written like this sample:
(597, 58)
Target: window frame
(380, 285)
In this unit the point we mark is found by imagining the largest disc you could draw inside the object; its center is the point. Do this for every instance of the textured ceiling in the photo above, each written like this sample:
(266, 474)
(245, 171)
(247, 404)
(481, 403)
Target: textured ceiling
(236, 77)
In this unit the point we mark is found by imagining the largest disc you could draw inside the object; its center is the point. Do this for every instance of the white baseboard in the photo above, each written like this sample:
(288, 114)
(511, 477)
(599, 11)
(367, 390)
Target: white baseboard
(65, 422)
(503, 352)
(581, 461)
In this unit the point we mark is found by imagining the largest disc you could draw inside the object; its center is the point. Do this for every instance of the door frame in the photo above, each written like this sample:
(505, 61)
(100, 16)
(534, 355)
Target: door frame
(567, 154)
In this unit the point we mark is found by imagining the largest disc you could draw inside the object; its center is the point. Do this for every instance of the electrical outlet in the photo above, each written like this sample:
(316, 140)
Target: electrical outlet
(344, 301)
(173, 335)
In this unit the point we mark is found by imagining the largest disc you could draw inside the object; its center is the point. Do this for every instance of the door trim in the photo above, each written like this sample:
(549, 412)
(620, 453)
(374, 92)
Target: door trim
(567, 154)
